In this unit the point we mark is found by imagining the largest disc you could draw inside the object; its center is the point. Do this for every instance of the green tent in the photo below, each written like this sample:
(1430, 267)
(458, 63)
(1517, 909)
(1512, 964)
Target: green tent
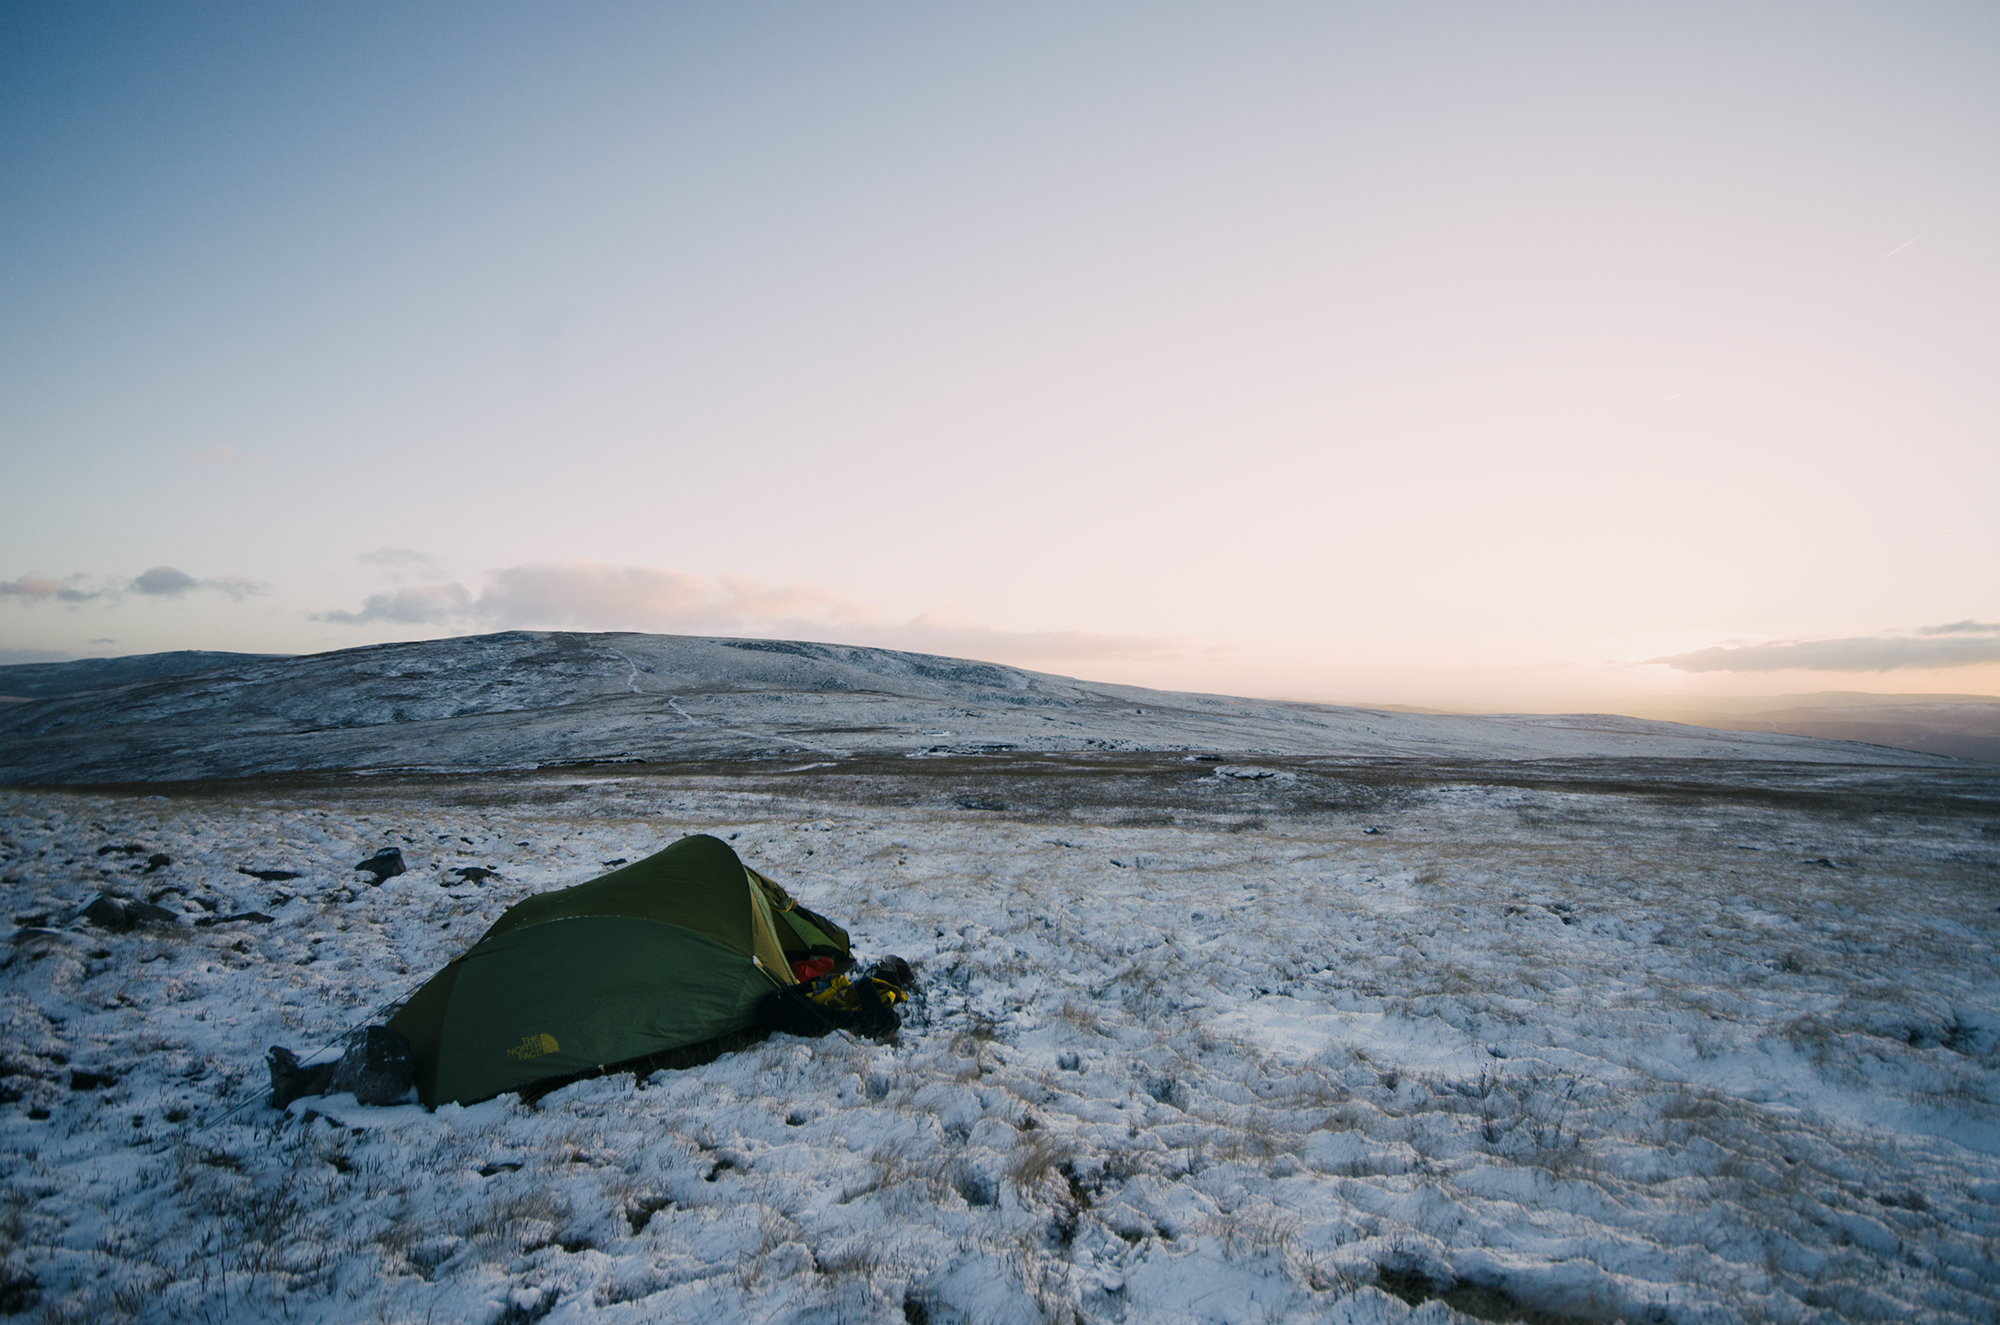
(670, 951)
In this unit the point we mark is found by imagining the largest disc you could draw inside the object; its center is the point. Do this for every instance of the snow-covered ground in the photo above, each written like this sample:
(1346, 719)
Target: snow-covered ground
(528, 699)
(1664, 1045)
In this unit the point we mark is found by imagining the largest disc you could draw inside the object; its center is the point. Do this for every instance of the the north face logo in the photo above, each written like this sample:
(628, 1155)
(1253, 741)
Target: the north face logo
(534, 1046)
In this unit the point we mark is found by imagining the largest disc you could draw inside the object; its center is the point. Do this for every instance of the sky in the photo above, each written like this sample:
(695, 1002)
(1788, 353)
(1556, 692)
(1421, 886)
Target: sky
(1517, 356)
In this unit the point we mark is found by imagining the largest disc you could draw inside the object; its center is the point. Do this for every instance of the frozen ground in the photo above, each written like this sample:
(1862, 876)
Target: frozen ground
(1200, 1041)
(540, 699)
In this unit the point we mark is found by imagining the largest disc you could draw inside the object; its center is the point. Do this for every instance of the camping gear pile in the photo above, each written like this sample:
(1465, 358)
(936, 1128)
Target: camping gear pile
(829, 1002)
(684, 949)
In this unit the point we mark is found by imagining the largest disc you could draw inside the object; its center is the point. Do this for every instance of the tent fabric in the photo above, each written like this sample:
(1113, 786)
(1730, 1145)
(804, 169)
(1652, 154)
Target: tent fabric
(672, 950)
(803, 933)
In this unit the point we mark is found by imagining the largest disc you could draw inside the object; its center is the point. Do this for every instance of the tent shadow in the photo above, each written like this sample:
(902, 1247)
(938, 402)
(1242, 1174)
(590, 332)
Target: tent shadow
(664, 1060)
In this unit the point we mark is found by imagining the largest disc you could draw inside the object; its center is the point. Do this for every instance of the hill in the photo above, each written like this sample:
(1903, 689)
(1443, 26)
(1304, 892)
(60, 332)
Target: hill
(20, 681)
(1962, 726)
(531, 699)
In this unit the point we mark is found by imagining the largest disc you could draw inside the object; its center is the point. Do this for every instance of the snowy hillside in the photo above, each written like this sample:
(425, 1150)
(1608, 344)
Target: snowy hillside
(1283, 1040)
(41, 680)
(522, 700)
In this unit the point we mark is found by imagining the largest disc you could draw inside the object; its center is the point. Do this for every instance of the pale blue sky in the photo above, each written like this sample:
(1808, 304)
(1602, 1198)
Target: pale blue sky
(1418, 353)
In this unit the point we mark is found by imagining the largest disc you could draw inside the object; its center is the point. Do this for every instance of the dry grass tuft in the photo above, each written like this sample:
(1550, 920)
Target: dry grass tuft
(1034, 1162)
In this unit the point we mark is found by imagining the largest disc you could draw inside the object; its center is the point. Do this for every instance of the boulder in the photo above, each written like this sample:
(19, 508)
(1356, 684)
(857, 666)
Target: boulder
(378, 1067)
(108, 912)
(289, 1080)
(384, 864)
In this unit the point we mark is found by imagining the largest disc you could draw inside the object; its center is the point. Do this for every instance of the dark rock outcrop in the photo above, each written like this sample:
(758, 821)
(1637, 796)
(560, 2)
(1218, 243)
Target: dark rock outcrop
(119, 916)
(378, 1067)
(384, 864)
(290, 1080)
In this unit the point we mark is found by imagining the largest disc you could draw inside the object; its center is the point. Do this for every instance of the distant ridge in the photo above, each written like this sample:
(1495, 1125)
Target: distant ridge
(525, 699)
(1961, 726)
(43, 680)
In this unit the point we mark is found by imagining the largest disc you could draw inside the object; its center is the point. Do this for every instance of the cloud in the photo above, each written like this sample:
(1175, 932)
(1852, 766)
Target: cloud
(159, 582)
(1961, 644)
(588, 595)
(35, 589)
(401, 558)
(236, 586)
(165, 582)
(411, 605)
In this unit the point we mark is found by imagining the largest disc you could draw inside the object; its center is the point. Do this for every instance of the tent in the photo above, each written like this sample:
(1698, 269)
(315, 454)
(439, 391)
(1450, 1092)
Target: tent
(670, 951)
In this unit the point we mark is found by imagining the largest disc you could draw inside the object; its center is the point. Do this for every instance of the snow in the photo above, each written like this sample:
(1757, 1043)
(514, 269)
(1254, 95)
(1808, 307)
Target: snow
(535, 699)
(1200, 1049)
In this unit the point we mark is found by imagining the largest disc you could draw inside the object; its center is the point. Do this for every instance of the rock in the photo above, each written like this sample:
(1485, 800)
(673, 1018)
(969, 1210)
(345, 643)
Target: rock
(270, 876)
(145, 913)
(107, 913)
(378, 1067)
(474, 873)
(159, 860)
(110, 913)
(252, 917)
(384, 864)
(125, 849)
(81, 1080)
(289, 1080)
